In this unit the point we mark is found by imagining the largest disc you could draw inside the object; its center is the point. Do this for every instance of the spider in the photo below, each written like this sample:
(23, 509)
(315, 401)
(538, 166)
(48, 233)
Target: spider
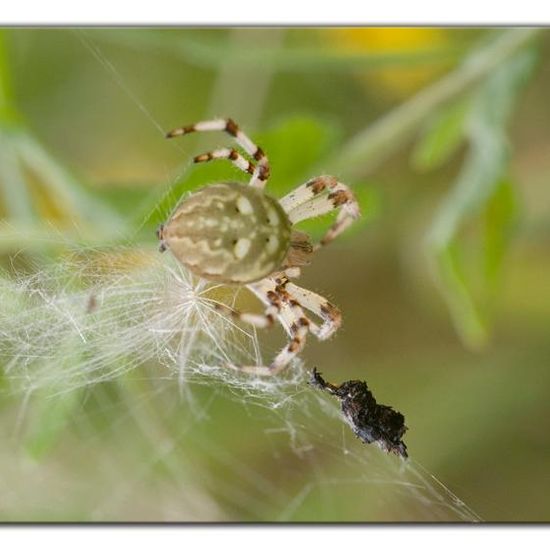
(235, 233)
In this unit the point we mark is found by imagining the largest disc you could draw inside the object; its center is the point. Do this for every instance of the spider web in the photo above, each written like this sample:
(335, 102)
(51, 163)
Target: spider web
(131, 336)
(114, 362)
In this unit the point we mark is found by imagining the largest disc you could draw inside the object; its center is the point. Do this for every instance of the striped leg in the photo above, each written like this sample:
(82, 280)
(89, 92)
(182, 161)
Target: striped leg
(317, 304)
(320, 196)
(332, 318)
(260, 173)
(231, 154)
(293, 320)
(257, 320)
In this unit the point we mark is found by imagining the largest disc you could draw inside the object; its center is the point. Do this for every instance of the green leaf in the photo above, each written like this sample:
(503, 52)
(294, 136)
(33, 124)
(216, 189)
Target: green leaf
(467, 316)
(370, 201)
(442, 137)
(32, 183)
(16, 202)
(295, 147)
(50, 416)
(8, 112)
(500, 218)
(63, 189)
(371, 146)
(478, 185)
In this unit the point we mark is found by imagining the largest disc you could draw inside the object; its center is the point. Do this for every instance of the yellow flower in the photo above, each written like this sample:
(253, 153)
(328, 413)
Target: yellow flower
(398, 79)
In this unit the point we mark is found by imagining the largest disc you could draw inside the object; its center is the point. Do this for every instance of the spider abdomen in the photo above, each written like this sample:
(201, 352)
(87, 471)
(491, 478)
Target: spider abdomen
(229, 232)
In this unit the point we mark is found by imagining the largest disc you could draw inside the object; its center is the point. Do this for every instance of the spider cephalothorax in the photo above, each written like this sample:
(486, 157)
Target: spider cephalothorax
(236, 233)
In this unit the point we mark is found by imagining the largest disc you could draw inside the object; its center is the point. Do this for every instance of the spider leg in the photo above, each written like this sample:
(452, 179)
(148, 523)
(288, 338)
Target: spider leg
(291, 317)
(257, 320)
(329, 313)
(260, 173)
(231, 154)
(317, 304)
(293, 272)
(320, 196)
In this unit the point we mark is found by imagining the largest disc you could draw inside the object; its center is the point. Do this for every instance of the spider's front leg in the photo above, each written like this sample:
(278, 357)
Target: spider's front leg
(230, 154)
(260, 171)
(320, 196)
(291, 317)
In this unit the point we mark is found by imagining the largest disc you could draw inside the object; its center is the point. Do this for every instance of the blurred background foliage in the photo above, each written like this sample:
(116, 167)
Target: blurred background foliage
(443, 135)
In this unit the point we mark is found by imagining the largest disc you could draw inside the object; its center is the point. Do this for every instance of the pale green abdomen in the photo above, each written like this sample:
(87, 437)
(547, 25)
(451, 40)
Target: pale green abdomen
(229, 232)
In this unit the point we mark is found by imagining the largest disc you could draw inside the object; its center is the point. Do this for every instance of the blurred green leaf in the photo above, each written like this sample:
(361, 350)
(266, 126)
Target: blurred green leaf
(370, 201)
(8, 114)
(500, 217)
(478, 183)
(40, 196)
(35, 188)
(66, 194)
(442, 137)
(458, 293)
(51, 415)
(379, 140)
(16, 202)
(295, 147)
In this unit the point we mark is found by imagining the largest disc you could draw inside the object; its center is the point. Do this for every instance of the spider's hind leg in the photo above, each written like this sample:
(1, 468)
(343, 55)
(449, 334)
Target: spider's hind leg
(320, 306)
(317, 304)
(292, 318)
